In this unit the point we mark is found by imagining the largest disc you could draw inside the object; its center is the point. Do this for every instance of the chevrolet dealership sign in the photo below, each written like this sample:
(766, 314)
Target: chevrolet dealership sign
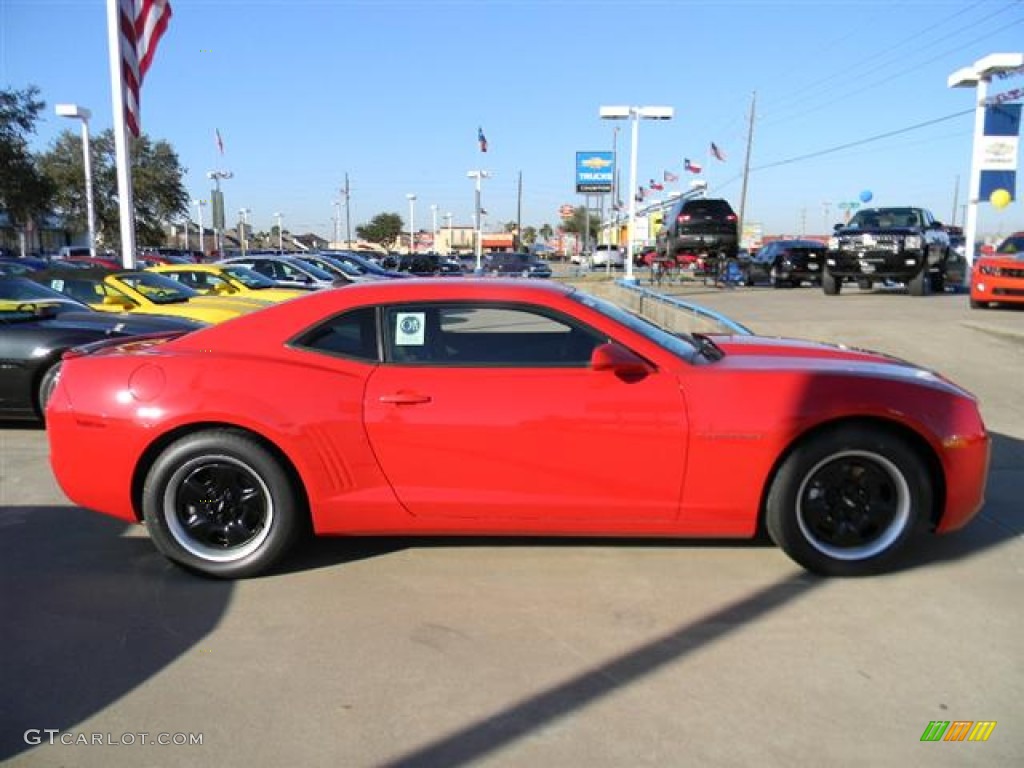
(595, 172)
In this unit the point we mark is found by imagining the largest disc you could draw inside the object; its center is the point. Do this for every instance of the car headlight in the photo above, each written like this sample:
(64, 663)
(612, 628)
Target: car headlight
(833, 243)
(912, 242)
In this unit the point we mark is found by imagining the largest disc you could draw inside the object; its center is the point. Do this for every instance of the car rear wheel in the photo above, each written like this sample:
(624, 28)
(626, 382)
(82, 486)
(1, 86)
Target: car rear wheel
(220, 503)
(845, 502)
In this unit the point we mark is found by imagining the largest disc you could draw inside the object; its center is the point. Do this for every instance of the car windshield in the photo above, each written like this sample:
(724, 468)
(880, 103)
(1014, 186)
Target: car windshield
(683, 346)
(312, 269)
(158, 288)
(1012, 246)
(359, 264)
(249, 278)
(19, 289)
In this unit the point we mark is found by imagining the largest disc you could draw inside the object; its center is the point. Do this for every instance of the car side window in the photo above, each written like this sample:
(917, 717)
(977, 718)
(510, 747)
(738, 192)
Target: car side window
(485, 335)
(352, 334)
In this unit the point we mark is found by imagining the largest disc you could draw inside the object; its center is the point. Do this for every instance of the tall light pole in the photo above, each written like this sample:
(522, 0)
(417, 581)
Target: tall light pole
(280, 232)
(243, 215)
(448, 218)
(412, 222)
(635, 114)
(202, 233)
(337, 223)
(217, 204)
(433, 230)
(81, 113)
(978, 76)
(478, 176)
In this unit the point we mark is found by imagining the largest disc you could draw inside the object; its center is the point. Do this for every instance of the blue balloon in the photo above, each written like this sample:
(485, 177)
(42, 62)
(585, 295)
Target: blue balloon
(865, 196)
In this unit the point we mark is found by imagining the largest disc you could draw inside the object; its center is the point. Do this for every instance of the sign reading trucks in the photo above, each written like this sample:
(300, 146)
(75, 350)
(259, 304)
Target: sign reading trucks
(595, 172)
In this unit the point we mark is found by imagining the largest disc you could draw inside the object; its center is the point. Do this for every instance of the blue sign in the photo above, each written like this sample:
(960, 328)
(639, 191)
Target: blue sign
(595, 172)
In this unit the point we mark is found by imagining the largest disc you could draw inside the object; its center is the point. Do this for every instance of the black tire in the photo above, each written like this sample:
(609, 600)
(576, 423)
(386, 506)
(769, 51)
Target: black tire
(864, 284)
(830, 285)
(919, 284)
(937, 282)
(220, 503)
(47, 382)
(776, 278)
(845, 502)
(975, 304)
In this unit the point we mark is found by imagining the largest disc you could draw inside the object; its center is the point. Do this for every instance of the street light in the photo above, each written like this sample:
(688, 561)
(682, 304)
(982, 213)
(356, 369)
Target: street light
(448, 218)
(280, 232)
(433, 230)
(243, 214)
(978, 76)
(218, 205)
(412, 222)
(479, 176)
(635, 114)
(199, 215)
(81, 113)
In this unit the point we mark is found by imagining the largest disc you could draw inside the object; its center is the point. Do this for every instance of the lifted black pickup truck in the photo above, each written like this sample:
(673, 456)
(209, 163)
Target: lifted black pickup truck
(905, 245)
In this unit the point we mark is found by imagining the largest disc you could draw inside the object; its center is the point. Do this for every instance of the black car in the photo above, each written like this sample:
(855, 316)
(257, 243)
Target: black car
(38, 324)
(361, 265)
(786, 263)
(428, 265)
(516, 265)
(901, 244)
(704, 227)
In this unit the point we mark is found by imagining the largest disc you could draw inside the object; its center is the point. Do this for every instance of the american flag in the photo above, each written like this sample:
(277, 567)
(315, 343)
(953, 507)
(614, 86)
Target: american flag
(670, 177)
(219, 140)
(142, 24)
(717, 153)
(482, 139)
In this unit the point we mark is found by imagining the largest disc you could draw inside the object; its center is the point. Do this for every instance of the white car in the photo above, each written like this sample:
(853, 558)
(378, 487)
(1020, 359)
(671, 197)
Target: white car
(606, 254)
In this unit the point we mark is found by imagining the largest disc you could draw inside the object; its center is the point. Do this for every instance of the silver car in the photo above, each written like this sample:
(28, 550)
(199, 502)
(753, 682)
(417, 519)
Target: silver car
(286, 271)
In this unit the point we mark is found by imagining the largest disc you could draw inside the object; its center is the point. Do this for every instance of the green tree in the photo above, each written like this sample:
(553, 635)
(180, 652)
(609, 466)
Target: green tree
(546, 231)
(577, 223)
(25, 192)
(384, 229)
(529, 236)
(158, 187)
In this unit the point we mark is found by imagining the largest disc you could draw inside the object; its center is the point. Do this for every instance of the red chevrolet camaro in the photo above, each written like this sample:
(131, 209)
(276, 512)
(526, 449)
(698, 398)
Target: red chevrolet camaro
(507, 408)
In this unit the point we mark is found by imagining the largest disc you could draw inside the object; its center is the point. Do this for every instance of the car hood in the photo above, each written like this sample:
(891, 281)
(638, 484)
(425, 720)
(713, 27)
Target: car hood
(1001, 260)
(768, 353)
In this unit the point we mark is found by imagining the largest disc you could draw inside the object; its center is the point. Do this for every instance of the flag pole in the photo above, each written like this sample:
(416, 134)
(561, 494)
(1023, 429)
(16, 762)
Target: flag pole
(124, 170)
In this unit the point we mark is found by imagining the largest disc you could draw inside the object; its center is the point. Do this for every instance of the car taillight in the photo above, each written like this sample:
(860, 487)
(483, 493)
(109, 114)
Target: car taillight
(731, 217)
(683, 217)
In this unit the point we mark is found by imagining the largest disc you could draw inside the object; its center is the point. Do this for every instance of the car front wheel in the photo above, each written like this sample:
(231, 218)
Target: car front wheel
(220, 503)
(845, 502)
(830, 284)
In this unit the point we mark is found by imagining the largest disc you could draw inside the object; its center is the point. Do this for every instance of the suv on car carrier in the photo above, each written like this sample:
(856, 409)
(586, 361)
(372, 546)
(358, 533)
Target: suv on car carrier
(905, 245)
(701, 227)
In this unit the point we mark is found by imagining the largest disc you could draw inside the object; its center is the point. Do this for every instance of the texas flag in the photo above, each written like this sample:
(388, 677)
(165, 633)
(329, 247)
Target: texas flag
(691, 166)
(656, 185)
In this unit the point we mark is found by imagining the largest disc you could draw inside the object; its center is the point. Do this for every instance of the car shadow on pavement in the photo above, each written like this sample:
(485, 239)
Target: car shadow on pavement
(90, 612)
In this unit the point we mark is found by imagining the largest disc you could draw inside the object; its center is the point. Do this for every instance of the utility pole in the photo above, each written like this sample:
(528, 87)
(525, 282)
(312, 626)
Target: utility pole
(518, 240)
(746, 166)
(956, 195)
(348, 217)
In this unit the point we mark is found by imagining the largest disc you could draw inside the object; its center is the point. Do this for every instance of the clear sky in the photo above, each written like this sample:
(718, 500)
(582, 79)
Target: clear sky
(392, 92)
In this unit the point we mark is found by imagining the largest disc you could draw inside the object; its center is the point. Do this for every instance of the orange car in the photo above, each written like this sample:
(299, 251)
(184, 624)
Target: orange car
(998, 278)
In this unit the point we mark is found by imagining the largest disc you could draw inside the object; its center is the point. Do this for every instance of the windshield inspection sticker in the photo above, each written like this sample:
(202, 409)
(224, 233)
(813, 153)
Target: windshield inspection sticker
(409, 329)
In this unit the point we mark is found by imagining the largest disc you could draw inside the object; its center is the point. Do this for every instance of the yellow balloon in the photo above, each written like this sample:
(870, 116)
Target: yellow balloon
(1000, 198)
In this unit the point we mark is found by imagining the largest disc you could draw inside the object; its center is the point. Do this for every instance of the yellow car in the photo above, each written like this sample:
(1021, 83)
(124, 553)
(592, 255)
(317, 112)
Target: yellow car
(228, 280)
(143, 293)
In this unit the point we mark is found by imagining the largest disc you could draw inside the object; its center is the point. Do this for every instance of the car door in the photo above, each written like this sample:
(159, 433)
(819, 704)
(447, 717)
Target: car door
(492, 413)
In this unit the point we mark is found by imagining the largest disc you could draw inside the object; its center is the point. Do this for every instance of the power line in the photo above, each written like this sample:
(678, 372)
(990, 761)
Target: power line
(868, 140)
